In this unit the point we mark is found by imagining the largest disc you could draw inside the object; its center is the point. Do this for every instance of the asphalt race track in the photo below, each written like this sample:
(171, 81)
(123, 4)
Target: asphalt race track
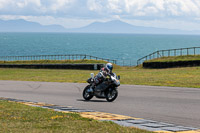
(173, 105)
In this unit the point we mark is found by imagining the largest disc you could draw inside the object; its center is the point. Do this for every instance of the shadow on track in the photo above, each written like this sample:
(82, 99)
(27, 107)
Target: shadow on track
(90, 100)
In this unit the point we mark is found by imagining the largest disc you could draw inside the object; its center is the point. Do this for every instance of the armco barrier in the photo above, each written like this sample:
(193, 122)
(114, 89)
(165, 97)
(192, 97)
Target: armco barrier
(170, 52)
(54, 66)
(171, 64)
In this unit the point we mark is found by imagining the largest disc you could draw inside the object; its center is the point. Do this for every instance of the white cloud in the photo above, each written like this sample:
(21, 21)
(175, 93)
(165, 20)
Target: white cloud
(4, 3)
(60, 5)
(115, 6)
(130, 8)
(88, 10)
(154, 7)
(95, 5)
(183, 7)
(23, 4)
(36, 7)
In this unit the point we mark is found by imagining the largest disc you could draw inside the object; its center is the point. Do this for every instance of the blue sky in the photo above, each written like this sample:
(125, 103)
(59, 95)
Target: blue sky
(174, 14)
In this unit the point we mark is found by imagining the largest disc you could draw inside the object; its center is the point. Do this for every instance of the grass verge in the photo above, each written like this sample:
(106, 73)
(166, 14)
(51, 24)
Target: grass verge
(54, 62)
(19, 118)
(180, 77)
(176, 58)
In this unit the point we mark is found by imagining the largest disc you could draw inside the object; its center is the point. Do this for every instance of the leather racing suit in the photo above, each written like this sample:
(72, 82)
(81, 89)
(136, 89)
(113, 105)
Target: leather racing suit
(104, 72)
(101, 76)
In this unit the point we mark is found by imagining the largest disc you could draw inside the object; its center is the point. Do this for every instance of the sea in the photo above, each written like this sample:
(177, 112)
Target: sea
(126, 47)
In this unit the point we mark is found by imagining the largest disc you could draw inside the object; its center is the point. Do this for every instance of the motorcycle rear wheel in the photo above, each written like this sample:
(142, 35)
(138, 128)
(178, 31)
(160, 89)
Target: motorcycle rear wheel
(111, 95)
(87, 95)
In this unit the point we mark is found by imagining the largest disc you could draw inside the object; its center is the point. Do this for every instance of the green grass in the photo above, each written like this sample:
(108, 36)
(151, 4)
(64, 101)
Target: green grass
(19, 118)
(53, 62)
(174, 77)
(59, 62)
(180, 77)
(176, 58)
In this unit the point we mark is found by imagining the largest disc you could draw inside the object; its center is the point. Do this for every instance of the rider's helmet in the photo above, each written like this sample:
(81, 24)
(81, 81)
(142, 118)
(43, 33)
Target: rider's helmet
(109, 66)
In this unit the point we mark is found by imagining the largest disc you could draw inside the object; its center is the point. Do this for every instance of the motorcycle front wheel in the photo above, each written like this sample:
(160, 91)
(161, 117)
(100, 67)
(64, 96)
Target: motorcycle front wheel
(111, 95)
(87, 95)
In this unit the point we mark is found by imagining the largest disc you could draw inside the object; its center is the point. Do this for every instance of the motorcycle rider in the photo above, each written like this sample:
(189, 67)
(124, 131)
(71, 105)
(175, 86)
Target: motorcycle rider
(101, 76)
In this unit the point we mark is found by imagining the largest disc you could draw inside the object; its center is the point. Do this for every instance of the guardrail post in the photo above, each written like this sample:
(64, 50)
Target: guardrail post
(174, 52)
(157, 54)
(194, 51)
(181, 51)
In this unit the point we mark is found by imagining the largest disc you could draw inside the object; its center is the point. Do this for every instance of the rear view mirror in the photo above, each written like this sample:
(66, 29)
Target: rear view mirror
(118, 76)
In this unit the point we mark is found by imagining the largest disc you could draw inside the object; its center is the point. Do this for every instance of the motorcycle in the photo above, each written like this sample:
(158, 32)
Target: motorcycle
(106, 90)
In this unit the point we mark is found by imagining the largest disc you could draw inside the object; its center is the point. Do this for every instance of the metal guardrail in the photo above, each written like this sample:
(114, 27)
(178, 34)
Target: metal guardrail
(54, 57)
(157, 54)
(65, 57)
(170, 52)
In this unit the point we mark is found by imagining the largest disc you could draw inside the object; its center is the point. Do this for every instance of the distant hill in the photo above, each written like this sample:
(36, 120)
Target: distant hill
(115, 26)
(27, 26)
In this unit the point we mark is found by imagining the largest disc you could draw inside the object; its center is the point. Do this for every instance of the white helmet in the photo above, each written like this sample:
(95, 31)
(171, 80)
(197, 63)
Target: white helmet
(109, 66)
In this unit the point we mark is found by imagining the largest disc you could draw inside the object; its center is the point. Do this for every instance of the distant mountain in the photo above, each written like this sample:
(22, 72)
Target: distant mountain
(117, 26)
(27, 26)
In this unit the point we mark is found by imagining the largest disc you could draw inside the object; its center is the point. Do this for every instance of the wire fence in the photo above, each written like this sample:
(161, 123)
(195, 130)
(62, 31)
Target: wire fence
(170, 52)
(54, 57)
(66, 57)
(157, 54)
